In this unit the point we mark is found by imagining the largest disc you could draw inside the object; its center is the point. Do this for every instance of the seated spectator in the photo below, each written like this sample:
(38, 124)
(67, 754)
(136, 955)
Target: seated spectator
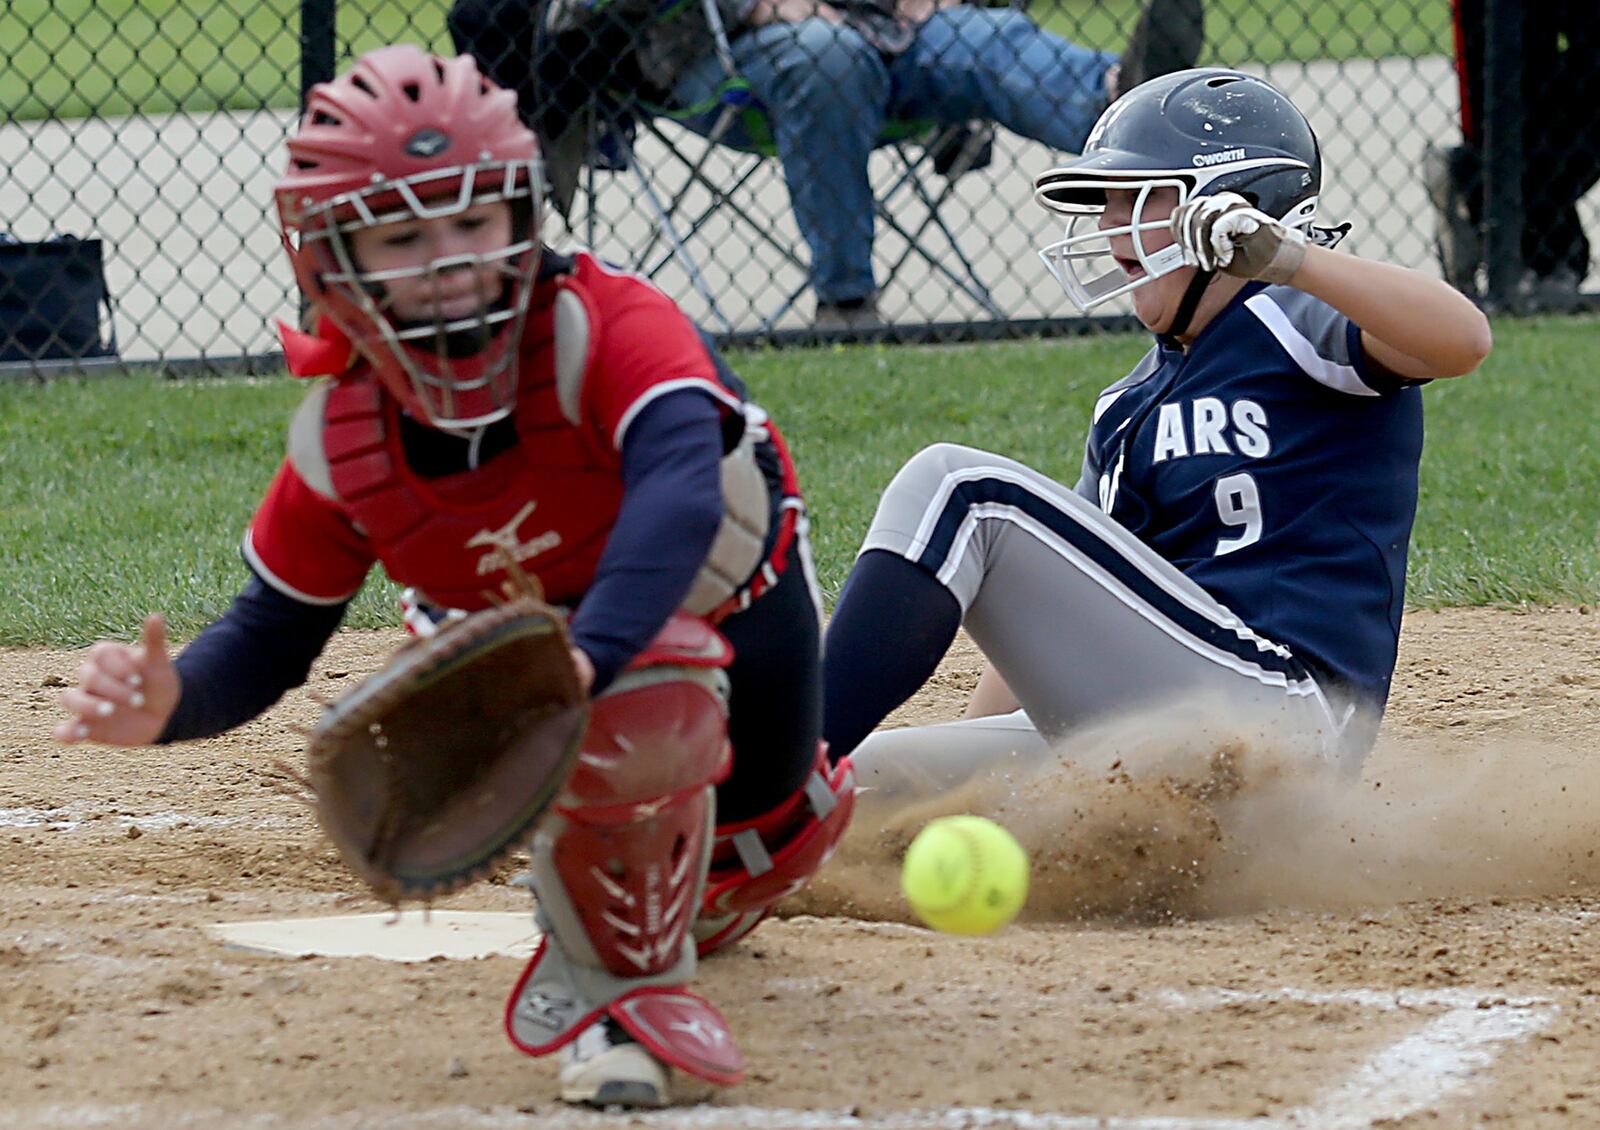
(831, 75)
(1560, 152)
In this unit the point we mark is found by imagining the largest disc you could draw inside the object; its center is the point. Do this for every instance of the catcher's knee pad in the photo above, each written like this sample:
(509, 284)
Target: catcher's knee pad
(619, 864)
(757, 863)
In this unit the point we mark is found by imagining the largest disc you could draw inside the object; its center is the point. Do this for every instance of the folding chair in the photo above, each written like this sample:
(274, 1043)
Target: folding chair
(918, 148)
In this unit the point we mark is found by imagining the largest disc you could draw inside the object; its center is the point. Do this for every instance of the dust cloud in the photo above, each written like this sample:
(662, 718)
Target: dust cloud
(1168, 816)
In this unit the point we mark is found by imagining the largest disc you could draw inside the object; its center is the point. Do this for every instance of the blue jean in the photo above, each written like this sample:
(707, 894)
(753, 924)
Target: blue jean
(829, 94)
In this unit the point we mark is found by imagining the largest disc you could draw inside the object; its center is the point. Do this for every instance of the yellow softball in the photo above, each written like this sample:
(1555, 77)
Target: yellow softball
(965, 875)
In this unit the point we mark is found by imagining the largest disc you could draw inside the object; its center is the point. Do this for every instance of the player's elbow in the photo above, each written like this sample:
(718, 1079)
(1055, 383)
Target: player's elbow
(1470, 346)
(1480, 342)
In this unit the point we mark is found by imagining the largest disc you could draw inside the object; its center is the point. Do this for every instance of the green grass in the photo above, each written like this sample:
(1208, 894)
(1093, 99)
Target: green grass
(1510, 475)
(119, 496)
(1270, 31)
(73, 58)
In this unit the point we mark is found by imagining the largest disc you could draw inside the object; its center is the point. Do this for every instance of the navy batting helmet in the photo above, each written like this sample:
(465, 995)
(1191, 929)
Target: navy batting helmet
(1203, 132)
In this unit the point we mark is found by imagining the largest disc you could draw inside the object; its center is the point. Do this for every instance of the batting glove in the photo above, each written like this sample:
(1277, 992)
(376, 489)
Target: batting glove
(1223, 233)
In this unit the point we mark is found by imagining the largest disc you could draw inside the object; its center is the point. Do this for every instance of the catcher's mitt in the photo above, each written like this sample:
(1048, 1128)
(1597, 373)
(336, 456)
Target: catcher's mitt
(429, 772)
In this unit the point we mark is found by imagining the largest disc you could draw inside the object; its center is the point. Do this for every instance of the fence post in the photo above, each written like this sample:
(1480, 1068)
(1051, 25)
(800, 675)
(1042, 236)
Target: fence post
(316, 44)
(1502, 150)
(317, 50)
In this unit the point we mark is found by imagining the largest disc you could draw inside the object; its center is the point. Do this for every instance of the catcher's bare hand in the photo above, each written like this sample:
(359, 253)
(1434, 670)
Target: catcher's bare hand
(125, 692)
(1224, 233)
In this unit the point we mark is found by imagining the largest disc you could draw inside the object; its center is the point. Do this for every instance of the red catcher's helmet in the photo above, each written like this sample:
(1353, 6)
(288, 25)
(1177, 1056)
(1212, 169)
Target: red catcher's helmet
(405, 135)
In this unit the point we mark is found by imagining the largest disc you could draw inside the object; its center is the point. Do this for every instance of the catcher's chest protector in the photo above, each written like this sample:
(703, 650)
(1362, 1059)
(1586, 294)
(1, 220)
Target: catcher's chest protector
(619, 865)
(550, 501)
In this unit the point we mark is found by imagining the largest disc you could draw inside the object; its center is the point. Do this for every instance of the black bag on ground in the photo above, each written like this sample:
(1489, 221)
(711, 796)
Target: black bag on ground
(51, 298)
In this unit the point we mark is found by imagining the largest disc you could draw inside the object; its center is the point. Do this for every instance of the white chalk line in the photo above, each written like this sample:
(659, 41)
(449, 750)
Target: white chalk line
(1426, 1067)
(1379, 1000)
(78, 817)
(128, 1117)
(1416, 1073)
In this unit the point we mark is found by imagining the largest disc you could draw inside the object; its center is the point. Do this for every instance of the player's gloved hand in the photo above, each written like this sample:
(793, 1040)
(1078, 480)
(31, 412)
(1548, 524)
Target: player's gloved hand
(1224, 233)
(125, 692)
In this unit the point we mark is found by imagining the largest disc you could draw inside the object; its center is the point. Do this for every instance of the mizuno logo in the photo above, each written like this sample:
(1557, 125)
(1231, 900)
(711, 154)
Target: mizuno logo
(1202, 159)
(505, 538)
(707, 1035)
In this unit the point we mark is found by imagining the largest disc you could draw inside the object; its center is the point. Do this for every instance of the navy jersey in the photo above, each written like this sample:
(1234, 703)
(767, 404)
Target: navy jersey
(1278, 470)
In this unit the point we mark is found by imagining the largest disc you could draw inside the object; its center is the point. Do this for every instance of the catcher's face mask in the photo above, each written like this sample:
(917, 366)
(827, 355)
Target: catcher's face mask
(434, 288)
(407, 145)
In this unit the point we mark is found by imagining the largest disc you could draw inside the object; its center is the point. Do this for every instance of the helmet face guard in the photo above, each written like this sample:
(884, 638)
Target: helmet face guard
(1073, 261)
(457, 372)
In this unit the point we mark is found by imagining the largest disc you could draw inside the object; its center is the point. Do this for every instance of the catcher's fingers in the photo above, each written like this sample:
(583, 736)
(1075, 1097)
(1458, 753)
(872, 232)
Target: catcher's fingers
(125, 693)
(112, 670)
(98, 681)
(154, 652)
(95, 719)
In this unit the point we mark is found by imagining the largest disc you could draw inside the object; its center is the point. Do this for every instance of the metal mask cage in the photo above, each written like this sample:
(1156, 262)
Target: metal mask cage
(431, 353)
(1066, 258)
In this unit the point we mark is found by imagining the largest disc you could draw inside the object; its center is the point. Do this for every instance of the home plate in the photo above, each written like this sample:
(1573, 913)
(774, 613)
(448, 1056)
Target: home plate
(412, 935)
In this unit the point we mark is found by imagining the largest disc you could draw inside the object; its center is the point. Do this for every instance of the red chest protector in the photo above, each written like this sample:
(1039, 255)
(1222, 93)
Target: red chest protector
(550, 501)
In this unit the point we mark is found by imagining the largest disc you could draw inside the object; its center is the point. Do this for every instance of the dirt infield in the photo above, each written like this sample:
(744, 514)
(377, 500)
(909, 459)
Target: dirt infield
(1416, 949)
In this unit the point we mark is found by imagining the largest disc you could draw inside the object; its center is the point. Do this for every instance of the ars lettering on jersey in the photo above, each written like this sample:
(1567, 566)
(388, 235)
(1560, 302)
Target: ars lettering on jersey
(1208, 426)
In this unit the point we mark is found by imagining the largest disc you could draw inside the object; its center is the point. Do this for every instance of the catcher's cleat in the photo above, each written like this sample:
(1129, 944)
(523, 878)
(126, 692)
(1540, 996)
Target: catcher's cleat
(605, 1066)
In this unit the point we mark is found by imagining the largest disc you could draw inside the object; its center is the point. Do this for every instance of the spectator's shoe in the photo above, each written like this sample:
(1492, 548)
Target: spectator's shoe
(1555, 293)
(605, 1066)
(1167, 38)
(850, 314)
(1448, 173)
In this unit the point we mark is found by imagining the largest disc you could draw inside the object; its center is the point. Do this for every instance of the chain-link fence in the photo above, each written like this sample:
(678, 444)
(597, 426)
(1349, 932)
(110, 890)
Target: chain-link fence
(142, 140)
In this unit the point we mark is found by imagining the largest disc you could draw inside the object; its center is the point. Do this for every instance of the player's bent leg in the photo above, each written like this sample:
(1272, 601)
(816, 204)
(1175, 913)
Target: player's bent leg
(917, 762)
(618, 870)
(1083, 620)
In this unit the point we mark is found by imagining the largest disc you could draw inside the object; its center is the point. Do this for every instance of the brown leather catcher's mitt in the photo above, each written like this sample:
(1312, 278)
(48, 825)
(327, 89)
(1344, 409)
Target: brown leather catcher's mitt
(429, 772)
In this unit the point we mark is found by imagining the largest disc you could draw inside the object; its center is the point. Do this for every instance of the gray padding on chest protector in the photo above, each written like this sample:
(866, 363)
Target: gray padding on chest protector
(572, 334)
(306, 452)
(746, 517)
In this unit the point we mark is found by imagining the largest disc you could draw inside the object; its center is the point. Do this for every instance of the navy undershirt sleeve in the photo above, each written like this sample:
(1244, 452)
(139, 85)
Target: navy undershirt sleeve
(243, 663)
(671, 509)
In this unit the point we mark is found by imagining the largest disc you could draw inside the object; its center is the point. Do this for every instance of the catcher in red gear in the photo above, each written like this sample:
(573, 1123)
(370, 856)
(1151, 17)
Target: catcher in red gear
(483, 404)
